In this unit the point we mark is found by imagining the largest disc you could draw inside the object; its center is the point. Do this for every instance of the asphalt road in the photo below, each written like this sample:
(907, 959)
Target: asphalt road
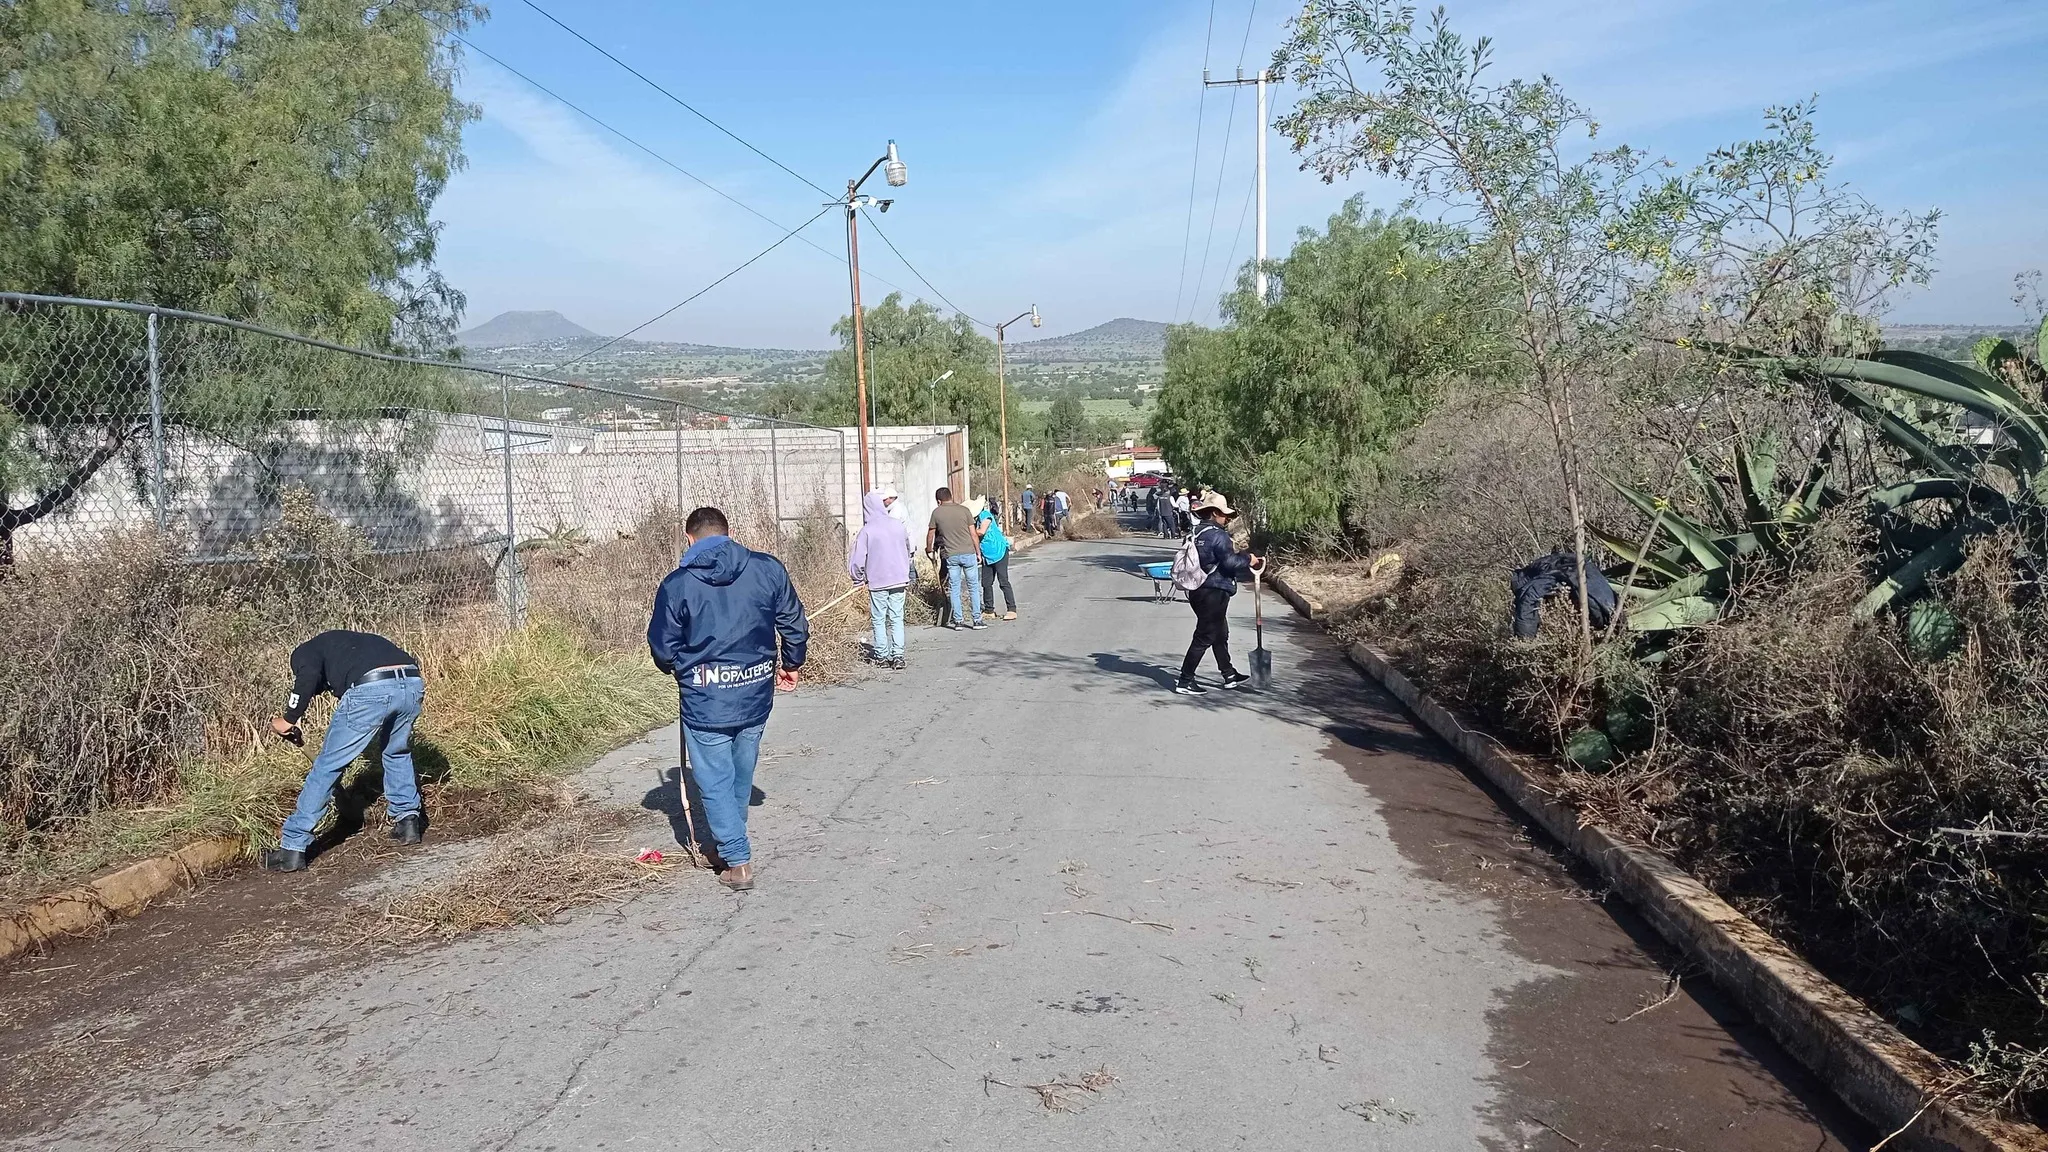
(1278, 921)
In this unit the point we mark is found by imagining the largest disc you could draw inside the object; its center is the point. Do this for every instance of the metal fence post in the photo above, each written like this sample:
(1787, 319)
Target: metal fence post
(514, 590)
(775, 482)
(845, 513)
(156, 431)
(680, 510)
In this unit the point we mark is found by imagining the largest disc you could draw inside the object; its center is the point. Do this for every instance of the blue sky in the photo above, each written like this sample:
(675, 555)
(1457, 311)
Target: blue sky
(1050, 144)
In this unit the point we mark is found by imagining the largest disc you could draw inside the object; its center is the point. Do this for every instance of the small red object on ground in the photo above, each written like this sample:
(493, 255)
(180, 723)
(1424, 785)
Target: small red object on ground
(651, 856)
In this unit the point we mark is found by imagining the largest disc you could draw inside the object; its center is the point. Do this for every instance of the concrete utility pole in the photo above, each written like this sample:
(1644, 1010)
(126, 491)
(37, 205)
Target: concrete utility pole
(1259, 241)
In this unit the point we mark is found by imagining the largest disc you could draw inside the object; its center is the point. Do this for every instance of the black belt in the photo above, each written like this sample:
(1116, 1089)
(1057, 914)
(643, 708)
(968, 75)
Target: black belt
(409, 672)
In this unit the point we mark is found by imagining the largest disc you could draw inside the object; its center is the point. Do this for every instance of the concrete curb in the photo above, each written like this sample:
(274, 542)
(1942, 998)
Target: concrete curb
(1874, 1068)
(109, 898)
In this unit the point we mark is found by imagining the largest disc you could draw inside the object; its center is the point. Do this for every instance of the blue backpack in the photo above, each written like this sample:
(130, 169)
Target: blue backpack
(994, 545)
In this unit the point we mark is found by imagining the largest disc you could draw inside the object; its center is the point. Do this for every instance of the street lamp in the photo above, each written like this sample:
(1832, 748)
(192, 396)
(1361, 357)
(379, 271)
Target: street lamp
(897, 175)
(1003, 395)
(934, 386)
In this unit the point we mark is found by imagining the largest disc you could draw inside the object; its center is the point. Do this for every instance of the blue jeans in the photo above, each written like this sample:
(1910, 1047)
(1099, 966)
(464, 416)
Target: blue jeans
(962, 570)
(381, 706)
(722, 768)
(885, 611)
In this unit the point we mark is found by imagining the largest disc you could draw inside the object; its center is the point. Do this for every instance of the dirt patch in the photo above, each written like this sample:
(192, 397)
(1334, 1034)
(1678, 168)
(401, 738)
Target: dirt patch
(159, 1002)
(1615, 1053)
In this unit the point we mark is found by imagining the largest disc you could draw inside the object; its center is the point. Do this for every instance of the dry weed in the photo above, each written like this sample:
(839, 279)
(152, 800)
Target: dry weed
(575, 858)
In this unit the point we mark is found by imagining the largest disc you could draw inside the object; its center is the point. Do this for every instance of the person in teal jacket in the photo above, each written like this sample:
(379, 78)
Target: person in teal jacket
(995, 562)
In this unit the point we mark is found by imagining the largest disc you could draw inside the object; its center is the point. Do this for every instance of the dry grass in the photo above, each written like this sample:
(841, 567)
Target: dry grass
(1097, 525)
(136, 689)
(1884, 812)
(565, 859)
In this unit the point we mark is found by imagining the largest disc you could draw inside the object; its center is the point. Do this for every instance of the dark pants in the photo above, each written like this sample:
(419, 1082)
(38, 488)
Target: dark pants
(1212, 631)
(990, 574)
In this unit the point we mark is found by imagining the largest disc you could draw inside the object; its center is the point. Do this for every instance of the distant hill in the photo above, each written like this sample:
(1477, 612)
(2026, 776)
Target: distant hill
(510, 329)
(1119, 339)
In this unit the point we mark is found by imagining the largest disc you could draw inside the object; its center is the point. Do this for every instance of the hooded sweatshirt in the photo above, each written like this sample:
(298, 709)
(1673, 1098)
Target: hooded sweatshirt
(716, 620)
(881, 553)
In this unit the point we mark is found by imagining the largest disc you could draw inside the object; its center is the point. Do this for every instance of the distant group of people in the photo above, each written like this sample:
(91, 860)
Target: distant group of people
(966, 541)
(1048, 511)
(1170, 512)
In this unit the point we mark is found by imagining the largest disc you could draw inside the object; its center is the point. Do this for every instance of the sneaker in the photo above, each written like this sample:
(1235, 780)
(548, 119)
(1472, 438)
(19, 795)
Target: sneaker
(1189, 688)
(1009, 615)
(977, 626)
(896, 664)
(1236, 680)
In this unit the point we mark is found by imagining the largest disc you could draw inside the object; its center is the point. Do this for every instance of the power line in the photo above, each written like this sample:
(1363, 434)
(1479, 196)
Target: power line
(914, 272)
(684, 104)
(1187, 232)
(749, 146)
(699, 292)
(1229, 123)
(665, 161)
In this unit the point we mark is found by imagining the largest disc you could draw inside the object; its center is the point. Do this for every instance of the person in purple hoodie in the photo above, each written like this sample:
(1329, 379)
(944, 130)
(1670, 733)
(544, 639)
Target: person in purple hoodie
(881, 560)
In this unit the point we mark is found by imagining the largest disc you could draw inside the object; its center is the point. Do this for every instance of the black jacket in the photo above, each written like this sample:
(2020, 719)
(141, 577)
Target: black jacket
(1220, 558)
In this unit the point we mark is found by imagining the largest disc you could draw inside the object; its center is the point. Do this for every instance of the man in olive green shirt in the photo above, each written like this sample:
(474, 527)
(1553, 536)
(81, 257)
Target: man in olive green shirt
(952, 536)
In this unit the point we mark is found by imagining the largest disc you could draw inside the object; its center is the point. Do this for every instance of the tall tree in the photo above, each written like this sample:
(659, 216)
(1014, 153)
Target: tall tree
(1066, 422)
(274, 161)
(909, 348)
(1302, 394)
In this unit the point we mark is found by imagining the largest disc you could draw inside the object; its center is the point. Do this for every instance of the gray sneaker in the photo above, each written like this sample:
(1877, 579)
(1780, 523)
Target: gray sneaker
(978, 625)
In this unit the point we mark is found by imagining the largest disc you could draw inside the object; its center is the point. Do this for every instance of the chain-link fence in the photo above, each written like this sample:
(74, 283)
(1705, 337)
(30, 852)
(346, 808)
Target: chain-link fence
(249, 451)
(183, 498)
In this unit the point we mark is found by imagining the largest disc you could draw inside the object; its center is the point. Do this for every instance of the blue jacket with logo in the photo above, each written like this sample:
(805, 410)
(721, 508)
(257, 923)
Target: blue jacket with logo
(716, 621)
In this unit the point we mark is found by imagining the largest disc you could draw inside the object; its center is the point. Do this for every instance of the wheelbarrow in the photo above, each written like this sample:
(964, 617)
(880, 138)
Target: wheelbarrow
(1161, 575)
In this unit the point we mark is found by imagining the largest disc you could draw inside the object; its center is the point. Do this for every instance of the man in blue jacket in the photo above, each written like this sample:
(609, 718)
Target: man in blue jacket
(716, 621)
(1211, 602)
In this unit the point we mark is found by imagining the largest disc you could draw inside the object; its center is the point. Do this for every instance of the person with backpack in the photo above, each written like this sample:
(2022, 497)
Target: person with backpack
(1208, 567)
(995, 563)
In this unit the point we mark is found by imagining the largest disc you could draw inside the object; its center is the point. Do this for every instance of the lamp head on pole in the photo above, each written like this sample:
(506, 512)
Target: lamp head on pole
(947, 376)
(1035, 321)
(893, 169)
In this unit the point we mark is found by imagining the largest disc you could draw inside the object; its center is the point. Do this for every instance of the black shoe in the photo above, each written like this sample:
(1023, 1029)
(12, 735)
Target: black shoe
(896, 664)
(1189, 688)
(281, 860)
(1235, 680)
(409, 829)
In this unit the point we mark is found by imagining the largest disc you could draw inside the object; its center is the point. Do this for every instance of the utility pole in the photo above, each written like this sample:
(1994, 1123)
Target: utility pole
(1259, 237)
(1003, 400)
(897, 175)
(860, 350)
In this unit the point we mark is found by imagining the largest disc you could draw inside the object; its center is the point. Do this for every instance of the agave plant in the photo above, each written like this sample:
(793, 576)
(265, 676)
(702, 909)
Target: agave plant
(1976, 460)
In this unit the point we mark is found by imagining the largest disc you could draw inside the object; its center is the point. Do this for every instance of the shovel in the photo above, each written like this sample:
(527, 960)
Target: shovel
(1262, 660)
